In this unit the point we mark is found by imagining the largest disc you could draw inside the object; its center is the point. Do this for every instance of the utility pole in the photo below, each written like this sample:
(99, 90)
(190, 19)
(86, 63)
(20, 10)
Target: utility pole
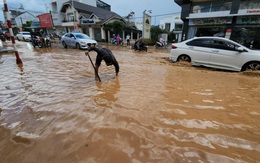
(9, 23)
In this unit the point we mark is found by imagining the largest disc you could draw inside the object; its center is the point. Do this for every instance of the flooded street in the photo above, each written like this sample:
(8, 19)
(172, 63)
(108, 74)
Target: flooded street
(53, 110)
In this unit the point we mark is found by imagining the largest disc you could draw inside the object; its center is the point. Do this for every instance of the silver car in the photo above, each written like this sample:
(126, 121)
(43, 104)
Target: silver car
(216, 52)
(77, 40)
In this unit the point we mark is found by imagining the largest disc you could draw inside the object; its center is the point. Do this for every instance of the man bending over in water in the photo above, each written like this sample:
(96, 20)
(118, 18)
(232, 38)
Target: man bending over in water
(106, 55)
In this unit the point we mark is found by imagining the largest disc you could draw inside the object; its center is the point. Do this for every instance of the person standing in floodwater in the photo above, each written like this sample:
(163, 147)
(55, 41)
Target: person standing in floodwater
(118, 38)
(106, 55)
(127, 39)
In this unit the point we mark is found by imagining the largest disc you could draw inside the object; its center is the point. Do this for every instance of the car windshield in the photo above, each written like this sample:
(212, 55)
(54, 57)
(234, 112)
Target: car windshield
(81, 36)
(26, 33)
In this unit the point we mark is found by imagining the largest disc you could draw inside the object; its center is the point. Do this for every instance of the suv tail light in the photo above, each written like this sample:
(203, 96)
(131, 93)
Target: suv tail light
(174, 47)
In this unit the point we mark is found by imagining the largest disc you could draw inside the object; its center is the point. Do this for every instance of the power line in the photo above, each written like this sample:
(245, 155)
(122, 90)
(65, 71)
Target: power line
(161, 15)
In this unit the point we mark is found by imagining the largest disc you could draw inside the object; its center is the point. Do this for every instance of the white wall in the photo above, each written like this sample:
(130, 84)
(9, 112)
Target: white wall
(23, 18)
(175, 19)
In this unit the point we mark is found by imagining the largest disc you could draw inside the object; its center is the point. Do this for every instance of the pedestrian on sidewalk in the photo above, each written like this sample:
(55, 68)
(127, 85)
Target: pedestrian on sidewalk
(128, 39)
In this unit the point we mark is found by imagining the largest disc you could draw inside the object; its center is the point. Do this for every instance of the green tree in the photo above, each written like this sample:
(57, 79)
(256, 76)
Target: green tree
(117, 27)
(156, 31)
(27, 24)
(171, 36)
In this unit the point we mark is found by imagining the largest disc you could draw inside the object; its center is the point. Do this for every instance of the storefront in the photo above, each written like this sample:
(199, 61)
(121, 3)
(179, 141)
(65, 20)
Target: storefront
(247, 31)
(237, 20)
(208, 27)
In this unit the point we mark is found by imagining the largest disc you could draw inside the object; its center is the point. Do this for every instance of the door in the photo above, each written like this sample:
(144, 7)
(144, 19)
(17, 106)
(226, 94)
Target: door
(225, 55)
(73, 40)
(200, 50)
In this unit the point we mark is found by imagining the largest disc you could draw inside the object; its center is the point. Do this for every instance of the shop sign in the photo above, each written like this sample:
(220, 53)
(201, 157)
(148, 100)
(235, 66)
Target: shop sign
(35, 24)
(87, 21)
(228, 33)
(253, 11)
(249, 12)
(210, 21)
(45, 20)
(248, 20)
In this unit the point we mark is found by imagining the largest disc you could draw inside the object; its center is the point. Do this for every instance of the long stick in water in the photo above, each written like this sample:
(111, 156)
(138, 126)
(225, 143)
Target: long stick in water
(94, 68)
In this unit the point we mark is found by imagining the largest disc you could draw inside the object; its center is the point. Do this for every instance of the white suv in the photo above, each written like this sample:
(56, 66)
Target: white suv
(26, 36)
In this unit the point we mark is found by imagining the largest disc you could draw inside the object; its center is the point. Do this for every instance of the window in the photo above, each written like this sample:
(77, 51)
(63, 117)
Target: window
(178, 27)
(211, 7)
(220, 6)
(249, 4)
(101, 4)
(70, 16)
(167, 26)
(224, 45)
(247, 36)
(204, 7)
(200, 42)
(216, 7)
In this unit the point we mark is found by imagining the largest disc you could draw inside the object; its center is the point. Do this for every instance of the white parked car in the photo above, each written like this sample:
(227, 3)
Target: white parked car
(216, 52)
(77, 40)
(26, 36)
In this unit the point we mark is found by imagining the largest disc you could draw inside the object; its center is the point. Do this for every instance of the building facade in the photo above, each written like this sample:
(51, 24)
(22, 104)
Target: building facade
(88, 19)
(238, 20)
(19, 16)
(86, 16)
(173, 23)
(59, 17)
(23, 18)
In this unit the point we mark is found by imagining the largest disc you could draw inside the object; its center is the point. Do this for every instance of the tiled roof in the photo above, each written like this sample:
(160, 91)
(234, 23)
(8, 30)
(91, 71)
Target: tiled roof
(102, 14)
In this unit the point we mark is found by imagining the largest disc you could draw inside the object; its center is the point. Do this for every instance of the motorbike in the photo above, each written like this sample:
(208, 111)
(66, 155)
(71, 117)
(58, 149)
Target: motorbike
(142, 47)
(7, 36)
(113, 41)
(47, 42)
(2, 37)
(37, 42)
(41, 42)
(159, 44)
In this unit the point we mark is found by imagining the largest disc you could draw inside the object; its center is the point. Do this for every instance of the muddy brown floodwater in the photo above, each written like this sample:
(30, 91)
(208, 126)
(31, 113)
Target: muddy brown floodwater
(52, 110)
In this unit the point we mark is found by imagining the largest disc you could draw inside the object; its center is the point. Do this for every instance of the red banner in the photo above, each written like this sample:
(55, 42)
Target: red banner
(45, 20)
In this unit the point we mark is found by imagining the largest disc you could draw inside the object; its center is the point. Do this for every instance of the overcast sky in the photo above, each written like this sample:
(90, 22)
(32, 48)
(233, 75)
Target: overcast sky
(160, 8)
